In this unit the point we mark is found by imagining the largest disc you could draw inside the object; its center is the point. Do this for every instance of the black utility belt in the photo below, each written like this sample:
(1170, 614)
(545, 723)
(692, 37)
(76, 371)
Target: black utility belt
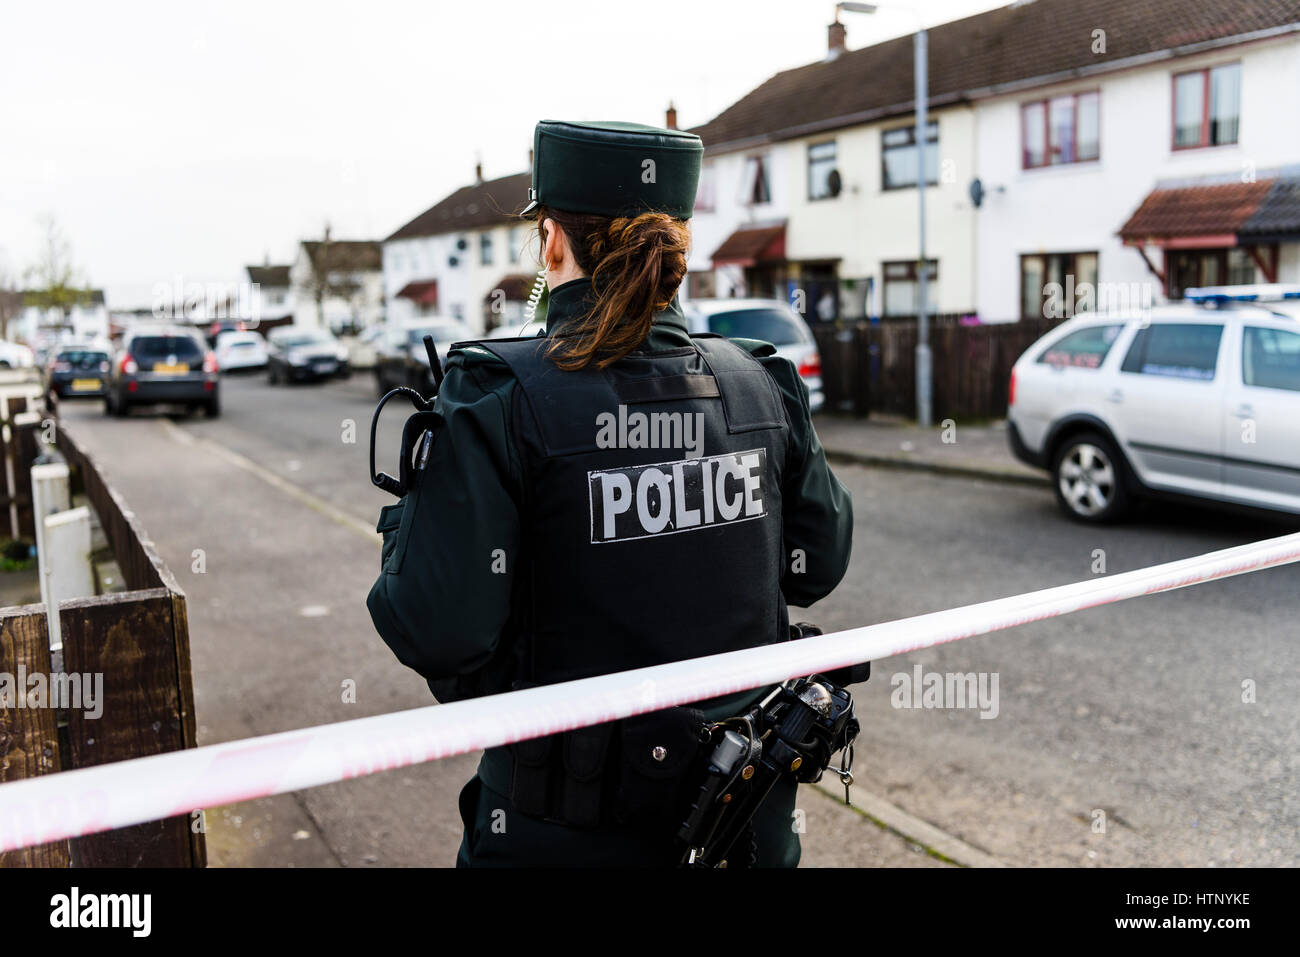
(632, 772)
(697, 781)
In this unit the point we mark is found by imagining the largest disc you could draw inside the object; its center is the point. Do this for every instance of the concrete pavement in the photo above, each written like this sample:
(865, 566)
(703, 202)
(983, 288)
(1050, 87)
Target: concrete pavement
(971, 451)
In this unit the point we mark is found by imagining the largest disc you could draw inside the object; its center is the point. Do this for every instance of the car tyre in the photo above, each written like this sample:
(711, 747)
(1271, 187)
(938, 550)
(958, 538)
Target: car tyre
(272, 375)
(120, 408)
(212, 408)
(1090, 478)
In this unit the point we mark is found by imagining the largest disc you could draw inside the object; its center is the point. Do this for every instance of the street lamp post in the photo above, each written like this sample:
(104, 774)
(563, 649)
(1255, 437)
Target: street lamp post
(921, 73)
(920, 67)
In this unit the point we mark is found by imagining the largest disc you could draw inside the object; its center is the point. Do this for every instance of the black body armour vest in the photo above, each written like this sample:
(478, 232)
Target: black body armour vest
(652, 516)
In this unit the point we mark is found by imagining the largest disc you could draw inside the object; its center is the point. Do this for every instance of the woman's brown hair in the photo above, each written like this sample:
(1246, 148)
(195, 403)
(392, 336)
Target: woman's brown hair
(635, 263)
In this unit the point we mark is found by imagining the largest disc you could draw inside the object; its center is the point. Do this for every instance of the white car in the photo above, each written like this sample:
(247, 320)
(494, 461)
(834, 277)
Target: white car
(361, 347)
(1199, 399)
(240, 350)
(770, 320)
(15, 356)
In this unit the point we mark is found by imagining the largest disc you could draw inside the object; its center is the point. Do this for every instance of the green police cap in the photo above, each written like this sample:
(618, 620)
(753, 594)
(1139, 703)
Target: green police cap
(614, 169)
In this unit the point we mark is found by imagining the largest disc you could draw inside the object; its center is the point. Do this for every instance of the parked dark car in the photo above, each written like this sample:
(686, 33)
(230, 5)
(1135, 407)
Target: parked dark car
(78, 371)
(163, 365)
(400, 356)
(295, 354)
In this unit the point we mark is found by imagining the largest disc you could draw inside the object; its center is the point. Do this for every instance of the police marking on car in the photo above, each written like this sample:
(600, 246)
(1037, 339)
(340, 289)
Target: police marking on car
(643, 501)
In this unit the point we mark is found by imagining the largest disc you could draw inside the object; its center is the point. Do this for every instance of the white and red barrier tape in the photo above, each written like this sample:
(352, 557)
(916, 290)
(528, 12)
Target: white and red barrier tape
(72, 803)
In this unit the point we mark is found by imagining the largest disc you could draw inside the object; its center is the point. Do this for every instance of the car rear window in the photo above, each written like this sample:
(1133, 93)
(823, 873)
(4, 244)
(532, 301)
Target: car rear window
(769, 325)
(1270, 359)
(1176, 349)
(1084, 348)
(160, 347)
(83, 357)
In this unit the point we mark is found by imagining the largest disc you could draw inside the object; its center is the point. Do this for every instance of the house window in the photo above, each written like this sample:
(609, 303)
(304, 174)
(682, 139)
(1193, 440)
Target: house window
(1050, 283)
(706, 192)
(515, 240)
(754, 185)
(821, 163)
(1207, 107)
(898, 156)
(1186, 269)
(1060, 130)
(902, 288)
(485, 249)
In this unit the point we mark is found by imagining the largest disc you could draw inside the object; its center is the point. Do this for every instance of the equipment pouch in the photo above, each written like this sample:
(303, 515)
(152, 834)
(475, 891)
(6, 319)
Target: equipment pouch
(582, 785)
(390, 519)
(530, 777)
(660, 752)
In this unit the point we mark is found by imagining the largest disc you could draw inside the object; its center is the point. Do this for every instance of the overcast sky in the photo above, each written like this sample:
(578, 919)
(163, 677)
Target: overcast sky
(191, 138)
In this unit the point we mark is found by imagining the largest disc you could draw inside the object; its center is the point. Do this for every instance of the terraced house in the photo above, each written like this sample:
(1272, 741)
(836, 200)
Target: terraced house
(1070, 143)
(464, 258)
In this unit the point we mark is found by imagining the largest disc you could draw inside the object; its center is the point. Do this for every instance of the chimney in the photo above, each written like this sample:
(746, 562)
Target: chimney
(530, 159)
(327, 232)
(670, 118)
(835, 36)
(478, 172)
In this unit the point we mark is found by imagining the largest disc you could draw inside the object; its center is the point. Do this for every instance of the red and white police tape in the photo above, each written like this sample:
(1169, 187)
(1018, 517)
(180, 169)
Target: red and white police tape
(72, 803)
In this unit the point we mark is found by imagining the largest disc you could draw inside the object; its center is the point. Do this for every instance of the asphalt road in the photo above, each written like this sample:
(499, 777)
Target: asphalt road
(1121, 736)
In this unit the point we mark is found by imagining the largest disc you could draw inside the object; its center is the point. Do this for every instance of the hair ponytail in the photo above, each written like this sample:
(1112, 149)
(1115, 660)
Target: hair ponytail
(636, 265)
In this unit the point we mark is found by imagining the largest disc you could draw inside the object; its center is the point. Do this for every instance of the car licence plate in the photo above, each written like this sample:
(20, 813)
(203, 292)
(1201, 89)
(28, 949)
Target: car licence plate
(86, 385)
(171, 368)
(320, 367)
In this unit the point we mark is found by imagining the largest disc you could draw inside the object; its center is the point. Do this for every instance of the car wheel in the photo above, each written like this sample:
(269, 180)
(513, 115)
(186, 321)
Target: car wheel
(120, 408)
(1090, 478)
(272, 375)
(212, 408)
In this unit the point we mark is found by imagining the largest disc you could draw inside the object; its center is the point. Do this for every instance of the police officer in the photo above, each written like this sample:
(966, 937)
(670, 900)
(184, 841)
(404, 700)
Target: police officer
(612, 495)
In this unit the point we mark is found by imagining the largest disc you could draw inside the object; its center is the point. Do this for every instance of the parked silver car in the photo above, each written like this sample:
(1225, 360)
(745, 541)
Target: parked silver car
(770, 320)
(1200, 398)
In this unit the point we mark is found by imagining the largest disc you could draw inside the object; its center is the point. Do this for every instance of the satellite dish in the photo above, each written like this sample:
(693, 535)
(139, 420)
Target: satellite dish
(453, 262)
(834, 183)
(976, 192)
(461, 244)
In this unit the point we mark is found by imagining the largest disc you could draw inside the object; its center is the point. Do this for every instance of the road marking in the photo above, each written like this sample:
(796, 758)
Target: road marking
(327, 509)
(893, 818)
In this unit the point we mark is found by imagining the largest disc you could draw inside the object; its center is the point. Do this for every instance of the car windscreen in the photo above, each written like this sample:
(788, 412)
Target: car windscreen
(440, 334)
(157, 348)
(304, 339)
(769, 325)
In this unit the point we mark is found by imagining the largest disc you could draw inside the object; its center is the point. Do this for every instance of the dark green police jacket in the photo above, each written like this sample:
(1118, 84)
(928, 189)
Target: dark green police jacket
(442, 602)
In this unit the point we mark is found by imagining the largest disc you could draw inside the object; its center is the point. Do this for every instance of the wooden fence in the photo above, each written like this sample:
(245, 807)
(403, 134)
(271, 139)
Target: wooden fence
(872, 367)
(19, 392)
(139, 641)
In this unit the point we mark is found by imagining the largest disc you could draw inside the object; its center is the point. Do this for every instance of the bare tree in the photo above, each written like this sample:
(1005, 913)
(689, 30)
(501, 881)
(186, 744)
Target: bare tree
(332, 274)
(53, 281)
(11, 300)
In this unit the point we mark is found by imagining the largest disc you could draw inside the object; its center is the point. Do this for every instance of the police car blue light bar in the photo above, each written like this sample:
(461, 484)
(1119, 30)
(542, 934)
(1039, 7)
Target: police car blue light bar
(1259, 292)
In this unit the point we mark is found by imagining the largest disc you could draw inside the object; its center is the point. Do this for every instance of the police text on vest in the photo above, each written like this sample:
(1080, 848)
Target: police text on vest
(668, 497)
